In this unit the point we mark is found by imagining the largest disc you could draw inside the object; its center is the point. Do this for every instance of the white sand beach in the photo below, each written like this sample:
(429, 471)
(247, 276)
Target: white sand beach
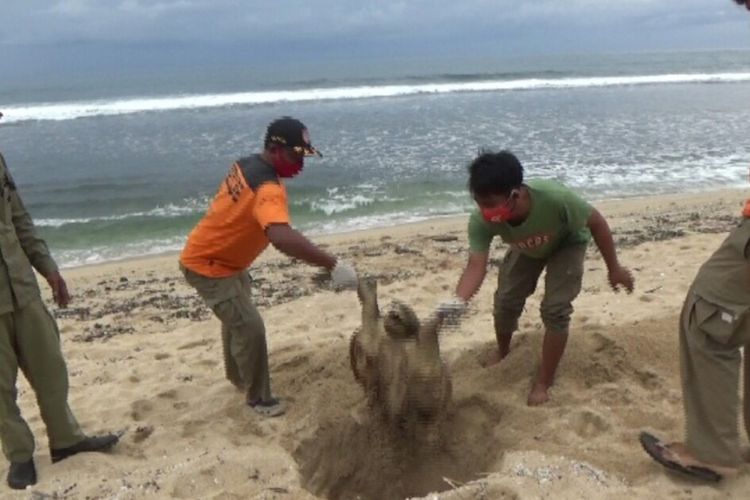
(144, 357)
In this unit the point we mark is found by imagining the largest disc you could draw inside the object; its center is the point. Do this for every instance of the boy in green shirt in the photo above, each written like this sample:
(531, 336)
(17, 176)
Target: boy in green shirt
(547, 226)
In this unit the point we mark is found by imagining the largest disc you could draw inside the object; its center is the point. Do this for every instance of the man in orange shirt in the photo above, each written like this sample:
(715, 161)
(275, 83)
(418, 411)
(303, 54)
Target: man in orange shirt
(249, 212)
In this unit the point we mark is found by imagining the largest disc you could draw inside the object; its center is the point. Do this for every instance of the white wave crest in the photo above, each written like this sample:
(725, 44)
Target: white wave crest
(85, 109)
(167, 211)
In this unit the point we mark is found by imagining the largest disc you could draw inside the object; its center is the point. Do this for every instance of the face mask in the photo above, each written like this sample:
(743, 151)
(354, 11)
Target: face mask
(284, 167)
(497, 214)
(503, 213)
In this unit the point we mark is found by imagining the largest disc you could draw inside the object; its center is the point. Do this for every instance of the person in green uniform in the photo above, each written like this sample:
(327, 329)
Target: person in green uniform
(714, 327)
(30, 340)
(547, 226)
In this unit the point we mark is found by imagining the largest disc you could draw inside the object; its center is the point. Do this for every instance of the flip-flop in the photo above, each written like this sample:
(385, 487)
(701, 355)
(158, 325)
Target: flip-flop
(655, 448)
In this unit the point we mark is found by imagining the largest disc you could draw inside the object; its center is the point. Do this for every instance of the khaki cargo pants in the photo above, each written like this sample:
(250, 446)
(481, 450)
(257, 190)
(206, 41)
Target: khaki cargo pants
(243, 333)
(518, 278)
(29, 340)
(710, 360)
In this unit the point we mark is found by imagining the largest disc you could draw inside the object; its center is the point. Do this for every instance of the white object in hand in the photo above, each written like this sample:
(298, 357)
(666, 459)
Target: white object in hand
(344, 275)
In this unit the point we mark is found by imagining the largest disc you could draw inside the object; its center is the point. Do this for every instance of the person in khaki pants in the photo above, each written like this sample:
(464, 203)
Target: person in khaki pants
(547, 226)
(30, 340)
(250, 211)
(714, 333)
(714, 328)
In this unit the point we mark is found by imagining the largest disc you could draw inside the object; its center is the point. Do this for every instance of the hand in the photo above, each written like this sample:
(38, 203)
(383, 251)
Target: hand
(344, 275)
(621, 277)
(451, 308)
(59, 289)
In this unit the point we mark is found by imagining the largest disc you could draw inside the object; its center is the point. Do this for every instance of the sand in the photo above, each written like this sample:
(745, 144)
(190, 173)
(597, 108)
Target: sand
(144, 357)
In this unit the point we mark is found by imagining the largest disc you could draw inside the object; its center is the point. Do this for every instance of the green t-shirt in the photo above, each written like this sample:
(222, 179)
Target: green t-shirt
(558, 218)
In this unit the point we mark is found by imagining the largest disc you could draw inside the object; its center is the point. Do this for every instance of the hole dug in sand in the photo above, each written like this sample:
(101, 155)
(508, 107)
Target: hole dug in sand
(410, 440)
(345, 459)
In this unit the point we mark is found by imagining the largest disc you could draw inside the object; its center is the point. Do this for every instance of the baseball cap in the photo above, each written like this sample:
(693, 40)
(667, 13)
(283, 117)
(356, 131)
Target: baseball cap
(291, 133)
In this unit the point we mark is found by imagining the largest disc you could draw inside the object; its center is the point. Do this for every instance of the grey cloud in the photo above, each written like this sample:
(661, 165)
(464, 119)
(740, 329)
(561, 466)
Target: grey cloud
(44, 22)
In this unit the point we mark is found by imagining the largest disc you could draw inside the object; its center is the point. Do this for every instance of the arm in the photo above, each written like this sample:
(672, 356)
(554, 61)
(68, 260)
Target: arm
(468, 285)
(618, 275)
(33, 246)
(473, 275)
(603, 238)
(292, 243)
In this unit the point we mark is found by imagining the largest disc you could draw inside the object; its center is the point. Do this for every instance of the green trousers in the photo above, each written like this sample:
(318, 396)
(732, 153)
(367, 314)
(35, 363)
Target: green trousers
(29, 340)
(242, 331)
(710, 362)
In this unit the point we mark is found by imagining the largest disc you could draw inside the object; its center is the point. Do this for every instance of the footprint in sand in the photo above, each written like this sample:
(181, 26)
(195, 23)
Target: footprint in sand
(192, 428)
(614, 395)
(589, 424)
(169, 394)
(140, 409)
(648, 379)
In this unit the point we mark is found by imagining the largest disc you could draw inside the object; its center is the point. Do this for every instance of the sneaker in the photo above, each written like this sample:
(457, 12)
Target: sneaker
(21, 474)
(269, 408)
(94, 443)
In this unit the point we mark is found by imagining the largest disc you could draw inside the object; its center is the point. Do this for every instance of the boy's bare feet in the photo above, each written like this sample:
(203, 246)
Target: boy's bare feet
(538, 395)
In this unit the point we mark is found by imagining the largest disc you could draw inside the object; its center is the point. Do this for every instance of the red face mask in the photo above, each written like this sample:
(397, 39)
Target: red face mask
(284, 167)
(499, 214)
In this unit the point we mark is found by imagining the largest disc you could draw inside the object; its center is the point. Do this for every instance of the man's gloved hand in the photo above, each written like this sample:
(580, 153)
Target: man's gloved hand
(344, 275)
(451, 308)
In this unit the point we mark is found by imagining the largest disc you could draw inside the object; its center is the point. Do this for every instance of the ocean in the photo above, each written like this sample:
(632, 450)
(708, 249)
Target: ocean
(113, 166)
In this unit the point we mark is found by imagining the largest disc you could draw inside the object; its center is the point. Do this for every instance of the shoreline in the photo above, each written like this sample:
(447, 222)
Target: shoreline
(612, 208)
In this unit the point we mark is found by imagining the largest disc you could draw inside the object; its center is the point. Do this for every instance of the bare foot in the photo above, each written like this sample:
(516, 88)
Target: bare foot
(494, 358)
(538, 395)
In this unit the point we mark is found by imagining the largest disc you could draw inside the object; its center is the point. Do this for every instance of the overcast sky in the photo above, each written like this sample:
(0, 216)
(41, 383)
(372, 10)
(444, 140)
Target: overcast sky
(359, 28)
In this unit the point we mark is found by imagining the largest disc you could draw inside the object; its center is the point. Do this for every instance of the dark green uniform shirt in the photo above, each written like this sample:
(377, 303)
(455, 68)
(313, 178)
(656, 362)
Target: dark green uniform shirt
(20, 249)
